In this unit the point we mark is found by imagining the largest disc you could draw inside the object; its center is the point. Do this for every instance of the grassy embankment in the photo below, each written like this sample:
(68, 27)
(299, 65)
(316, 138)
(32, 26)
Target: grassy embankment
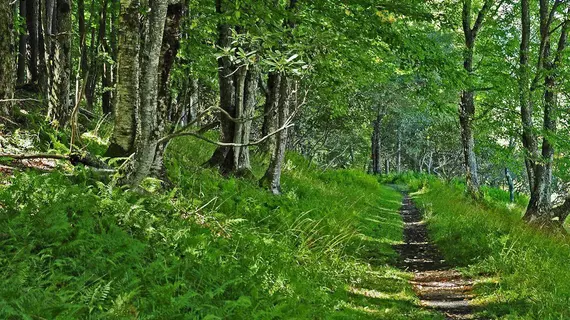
(211, 248)
(523, 273)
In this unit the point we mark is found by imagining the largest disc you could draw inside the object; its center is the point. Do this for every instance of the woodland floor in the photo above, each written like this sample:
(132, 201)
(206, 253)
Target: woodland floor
(437, 284)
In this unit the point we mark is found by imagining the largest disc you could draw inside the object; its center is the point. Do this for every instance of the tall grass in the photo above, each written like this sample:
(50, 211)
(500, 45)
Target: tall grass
(526, 270)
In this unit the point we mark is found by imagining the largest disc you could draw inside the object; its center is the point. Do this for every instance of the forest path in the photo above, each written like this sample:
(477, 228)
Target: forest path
(436, 284)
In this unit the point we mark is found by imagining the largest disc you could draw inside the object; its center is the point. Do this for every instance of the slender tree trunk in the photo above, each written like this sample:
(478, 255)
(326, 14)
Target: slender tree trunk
(146, 141)
(270, 110)
(272, 177)
(192, 109)
(59, 103)
(467, 104)
(223, 156)
(6, 56)
(22, 48)
(528, 136)
(466, 115)
(509, 178)
(539, 210)
(169, 50)
(243, 128)
(104, 66)
(32, 20)
(399, 160)
(126, 110)
(377, 144)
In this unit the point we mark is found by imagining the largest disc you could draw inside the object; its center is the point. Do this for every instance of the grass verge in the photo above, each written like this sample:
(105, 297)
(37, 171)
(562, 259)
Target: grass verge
(72, 247)
(522, 273)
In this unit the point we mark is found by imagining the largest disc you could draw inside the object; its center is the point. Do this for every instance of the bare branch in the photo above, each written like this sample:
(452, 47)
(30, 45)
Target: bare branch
(167, 138)
(18, 100)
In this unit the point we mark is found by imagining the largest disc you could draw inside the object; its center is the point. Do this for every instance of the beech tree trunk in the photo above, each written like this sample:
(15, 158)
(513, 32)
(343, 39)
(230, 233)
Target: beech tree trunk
(126, 110)
(169, 50)
(539, 210)
(6, 56)
(270, 110)
(528, 137)
(223, 156)
(272, 177)
(146, 140)
(467, 104)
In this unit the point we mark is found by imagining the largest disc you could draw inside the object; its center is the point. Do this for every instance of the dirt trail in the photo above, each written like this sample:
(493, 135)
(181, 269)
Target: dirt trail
(436, 284)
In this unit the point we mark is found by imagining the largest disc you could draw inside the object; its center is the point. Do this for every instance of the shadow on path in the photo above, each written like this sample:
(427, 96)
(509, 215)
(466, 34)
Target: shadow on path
(436, 284)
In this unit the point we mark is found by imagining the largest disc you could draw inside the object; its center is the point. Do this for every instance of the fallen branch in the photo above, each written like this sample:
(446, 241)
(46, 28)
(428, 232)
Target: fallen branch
(74, 158)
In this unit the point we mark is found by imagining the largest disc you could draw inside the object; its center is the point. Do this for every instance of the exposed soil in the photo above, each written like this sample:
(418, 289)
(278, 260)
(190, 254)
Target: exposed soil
(438, 286)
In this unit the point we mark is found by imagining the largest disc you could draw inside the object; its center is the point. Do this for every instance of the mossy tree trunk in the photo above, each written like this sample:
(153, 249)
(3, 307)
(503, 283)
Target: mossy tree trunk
(128, 73)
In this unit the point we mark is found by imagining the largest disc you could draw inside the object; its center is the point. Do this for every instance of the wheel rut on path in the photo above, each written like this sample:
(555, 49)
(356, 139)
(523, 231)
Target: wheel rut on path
(437, 285)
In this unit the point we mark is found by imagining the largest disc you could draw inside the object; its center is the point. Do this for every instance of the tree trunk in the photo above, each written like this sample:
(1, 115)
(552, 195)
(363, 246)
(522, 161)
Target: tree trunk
(270, 111)
(59, 103)
(32, 20)
(191, 111)
(511, 185)
(399, 159)
(6, 56)
(377, 144)
(272, 177)
(539, 210)
(466, 115)
(126, 110)
(528, 137)
(146, 141)
(467, 104)
(223, 156)
(169, 50)
(22, 48)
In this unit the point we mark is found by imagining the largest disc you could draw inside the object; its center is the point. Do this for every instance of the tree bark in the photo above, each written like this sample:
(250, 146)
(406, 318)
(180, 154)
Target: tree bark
(128, 101)
(223, 156)
(146, 141)
(539, 210)
(377, 144)
(511, 185)
(169, 50)
(467, 104)
(528, 137)
(22, 48)
(59, 103)
(270, 110)
(6, 56)
(399, 159)
(272, 177)
(32, 20)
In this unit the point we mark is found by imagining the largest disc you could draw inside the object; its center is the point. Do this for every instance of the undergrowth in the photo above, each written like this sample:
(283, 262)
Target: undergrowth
(210, 248)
